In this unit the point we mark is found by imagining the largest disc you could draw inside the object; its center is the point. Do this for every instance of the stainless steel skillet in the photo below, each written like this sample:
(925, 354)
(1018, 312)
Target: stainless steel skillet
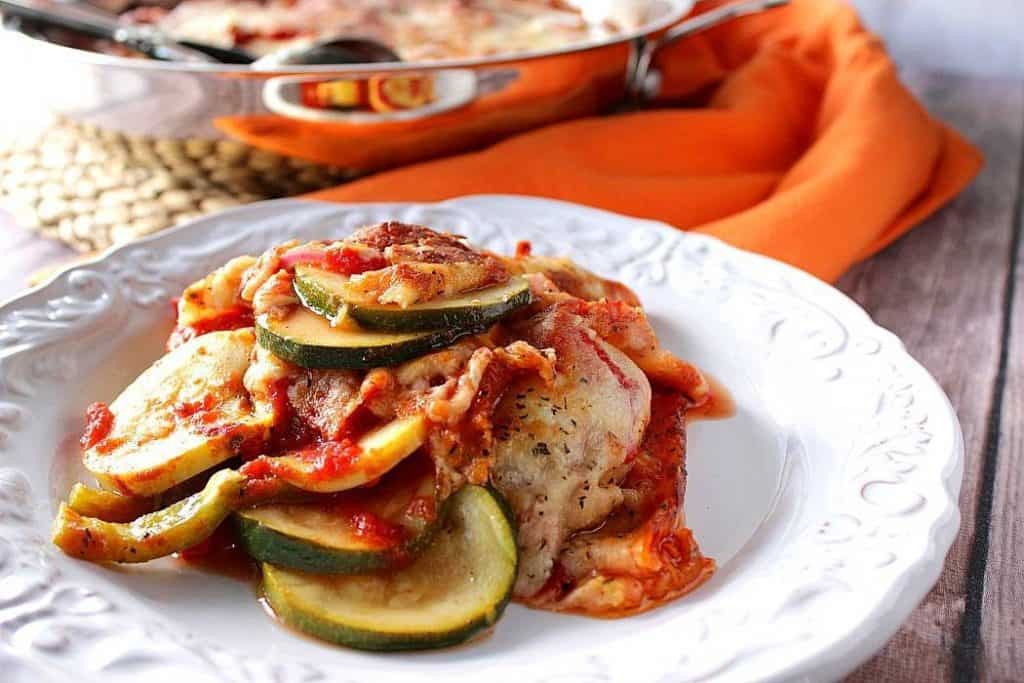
(180, 100)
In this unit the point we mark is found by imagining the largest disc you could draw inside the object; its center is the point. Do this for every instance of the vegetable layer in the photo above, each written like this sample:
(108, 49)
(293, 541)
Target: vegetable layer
(459, 586)
(185, 414)
(107, 505)
(110, 538)
(308, 340)
(157, 534)
(323, 292)
(333, 467)
(362, 530)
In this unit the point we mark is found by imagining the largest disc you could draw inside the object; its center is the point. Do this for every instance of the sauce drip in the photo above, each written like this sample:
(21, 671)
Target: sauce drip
(719, 406)
(221, 554)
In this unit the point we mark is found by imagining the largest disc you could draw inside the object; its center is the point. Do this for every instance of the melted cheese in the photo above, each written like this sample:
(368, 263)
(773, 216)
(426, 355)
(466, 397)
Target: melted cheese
(416, 29)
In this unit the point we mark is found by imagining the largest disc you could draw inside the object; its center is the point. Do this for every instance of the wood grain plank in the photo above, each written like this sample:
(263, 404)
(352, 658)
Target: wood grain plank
(940, 289)
(1002, 615)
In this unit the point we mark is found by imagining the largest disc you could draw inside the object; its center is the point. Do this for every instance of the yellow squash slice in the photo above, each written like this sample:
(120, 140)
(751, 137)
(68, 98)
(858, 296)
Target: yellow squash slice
(186, 413)
(332, 468)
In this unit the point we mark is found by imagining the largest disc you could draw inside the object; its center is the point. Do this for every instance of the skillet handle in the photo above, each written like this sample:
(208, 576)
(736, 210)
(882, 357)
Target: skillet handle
(644, 81)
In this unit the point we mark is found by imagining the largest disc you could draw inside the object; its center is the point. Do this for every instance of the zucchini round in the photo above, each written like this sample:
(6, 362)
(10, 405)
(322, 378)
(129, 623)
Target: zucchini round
(160, 435)
(308, 340)
(362, 530)
(107, 505)
(321, 291)
(459, 586)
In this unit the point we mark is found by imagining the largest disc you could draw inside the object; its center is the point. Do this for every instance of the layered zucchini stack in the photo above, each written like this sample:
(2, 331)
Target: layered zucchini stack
(363, 555)
(380, 335)
(436, 585)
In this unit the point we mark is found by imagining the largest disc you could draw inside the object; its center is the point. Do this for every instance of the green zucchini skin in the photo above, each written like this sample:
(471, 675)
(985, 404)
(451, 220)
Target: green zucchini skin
(313, 537)
(265, 544)
(327, 348)
(471, 605)
(313, 287)
(473, 310)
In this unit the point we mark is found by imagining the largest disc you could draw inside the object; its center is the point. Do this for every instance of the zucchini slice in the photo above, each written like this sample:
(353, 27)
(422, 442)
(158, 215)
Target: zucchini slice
(334, 467)
(107, 505)
(186, 413)
(459, 586)
(321, 291)
(157, 534)
(362, 530)
(308, 340)
(169, 530)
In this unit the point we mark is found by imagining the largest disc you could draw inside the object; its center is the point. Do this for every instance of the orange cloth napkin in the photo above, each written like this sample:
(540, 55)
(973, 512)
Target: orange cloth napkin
(806, 148)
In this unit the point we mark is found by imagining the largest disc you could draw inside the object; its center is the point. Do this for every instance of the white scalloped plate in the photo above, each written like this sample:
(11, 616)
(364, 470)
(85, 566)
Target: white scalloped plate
(829, 500)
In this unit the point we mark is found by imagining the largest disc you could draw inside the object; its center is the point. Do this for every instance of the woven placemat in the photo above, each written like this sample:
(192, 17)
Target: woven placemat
(93, 188)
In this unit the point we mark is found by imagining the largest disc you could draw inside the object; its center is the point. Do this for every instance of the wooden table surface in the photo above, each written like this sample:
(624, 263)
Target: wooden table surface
(952, 290)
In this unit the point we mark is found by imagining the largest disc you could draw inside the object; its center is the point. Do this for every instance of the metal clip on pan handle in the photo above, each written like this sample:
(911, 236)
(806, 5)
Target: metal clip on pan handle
(645, 82)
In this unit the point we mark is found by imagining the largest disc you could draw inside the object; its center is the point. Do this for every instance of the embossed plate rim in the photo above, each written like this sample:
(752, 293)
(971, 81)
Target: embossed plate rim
(35, 588)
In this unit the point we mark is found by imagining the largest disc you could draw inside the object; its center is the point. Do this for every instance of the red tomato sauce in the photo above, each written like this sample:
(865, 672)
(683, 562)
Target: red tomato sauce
(108, 445)
(331, 459)
(326, 461)
(718, 405)
(290, 432)
(259, 468)
(422, 507)
(202, 410)
(98, 423)
(222, 554)
(350, 261)
(376, 530)
(230, 319)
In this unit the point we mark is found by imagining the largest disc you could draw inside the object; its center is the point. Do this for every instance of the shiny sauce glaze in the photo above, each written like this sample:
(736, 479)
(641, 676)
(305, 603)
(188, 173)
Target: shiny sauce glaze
(719, 406)
(222, 554)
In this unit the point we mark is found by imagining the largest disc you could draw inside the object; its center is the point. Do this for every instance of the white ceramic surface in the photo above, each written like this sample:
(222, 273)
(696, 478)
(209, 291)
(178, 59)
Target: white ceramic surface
(829, 500)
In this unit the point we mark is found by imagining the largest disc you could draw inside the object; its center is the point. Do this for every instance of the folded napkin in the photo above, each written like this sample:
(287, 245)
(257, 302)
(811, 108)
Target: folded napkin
(805, 147)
